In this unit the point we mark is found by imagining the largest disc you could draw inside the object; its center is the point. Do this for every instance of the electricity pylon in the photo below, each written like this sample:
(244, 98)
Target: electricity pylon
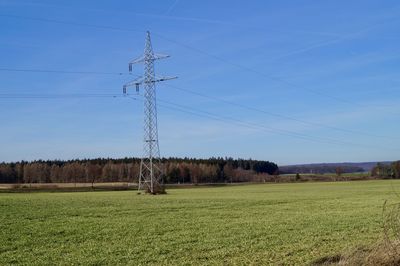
(151, 172)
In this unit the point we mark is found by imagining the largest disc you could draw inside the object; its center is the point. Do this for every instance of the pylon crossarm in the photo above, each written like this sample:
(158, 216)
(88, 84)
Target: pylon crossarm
(140, 80)
(157, 56)
(138, 60)
(142, 58)
(134, 82)
(164, 78)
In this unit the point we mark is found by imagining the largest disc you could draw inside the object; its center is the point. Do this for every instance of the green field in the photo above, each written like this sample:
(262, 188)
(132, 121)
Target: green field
(247, 224)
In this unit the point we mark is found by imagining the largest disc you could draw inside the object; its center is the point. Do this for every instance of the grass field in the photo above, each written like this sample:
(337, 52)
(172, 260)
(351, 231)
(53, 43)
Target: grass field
(249, 224)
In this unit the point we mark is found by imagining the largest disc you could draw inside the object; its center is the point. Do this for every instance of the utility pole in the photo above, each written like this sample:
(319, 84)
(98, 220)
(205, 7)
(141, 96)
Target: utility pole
(151, 172)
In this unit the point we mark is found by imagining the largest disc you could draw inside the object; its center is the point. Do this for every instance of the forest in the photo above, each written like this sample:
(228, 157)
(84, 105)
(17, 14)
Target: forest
(319, 169)
(177, 170)
(391, 170)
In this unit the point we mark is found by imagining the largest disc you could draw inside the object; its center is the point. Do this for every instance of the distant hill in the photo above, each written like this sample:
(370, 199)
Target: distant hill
(322, 168)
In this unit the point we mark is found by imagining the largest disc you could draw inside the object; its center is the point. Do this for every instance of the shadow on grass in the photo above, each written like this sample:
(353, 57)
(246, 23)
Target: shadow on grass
(384, 253)
(64, 189)
(379, 255)
(26, 188)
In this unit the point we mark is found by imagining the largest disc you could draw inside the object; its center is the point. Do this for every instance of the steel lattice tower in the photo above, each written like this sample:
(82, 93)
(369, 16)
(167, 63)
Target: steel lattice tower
(151, 173)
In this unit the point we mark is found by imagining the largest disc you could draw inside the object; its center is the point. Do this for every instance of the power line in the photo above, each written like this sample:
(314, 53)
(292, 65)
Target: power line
(201, 95)
(56, 96)
(62, 71)
(271, 129)
(204, 96)
(316, 92)
(231, 120)
(275, 114)
(193, 49)
(70, 23)
(201, 113)
(248, 69)
(228, 120)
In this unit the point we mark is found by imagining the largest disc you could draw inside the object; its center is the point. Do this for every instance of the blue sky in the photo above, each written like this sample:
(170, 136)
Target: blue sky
(306, 81)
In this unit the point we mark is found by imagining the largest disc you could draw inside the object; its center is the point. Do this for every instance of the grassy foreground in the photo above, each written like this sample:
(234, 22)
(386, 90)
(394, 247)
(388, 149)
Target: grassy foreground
(249, 224)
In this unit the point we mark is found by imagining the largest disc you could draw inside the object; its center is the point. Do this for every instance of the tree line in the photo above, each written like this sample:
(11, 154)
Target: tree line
(391, 170)
(320, 169)
(176, 170)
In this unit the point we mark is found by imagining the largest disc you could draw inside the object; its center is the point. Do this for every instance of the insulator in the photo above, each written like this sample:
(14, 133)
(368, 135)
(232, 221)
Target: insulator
(130, 67)
(124, 89)
(137, 88)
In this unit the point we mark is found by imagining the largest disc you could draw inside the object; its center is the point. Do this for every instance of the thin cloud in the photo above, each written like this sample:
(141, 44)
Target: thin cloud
(328, 42)
(166, 16)
(171, 7)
